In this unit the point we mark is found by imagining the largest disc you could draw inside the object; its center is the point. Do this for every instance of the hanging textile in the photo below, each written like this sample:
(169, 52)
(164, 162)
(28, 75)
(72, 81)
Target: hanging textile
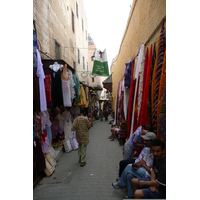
(83, 101)
(66, 93)
(135, 122)
(161, 52)
(161, 90)
(144, 115)
(138, 68)
(56, 88)
(122, 99)
(150, 86)
(100, 66)
(47, 84)
(127, 74)
(126, 100)
(117, 103)
(41, 76)
(127, 84)
(77, 88)
(162, 118)
(131, 97)
(143, 87)
(35, 47)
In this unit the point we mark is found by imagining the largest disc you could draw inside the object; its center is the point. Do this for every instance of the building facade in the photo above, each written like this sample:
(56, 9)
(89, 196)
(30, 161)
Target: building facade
(62, 32)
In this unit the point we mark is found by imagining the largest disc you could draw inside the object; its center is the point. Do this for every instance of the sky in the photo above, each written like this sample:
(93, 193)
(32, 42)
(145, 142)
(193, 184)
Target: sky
(107, 21)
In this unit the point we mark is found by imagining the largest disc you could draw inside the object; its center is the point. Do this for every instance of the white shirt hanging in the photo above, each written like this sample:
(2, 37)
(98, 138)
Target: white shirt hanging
(55, 67)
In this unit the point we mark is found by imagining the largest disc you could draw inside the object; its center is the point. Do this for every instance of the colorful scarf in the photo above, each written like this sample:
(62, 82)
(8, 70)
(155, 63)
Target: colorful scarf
(150, 85)
(161, 52)
(161, 92)
(162, 117)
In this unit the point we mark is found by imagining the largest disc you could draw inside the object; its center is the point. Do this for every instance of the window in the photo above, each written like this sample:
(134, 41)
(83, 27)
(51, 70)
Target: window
(57, 50)
(78, 56)
(72, 21)
(83, 62)
(76, 9)
(82, 25)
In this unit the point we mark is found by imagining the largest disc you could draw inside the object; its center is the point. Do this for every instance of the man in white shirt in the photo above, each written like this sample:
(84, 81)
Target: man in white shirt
(139, 169)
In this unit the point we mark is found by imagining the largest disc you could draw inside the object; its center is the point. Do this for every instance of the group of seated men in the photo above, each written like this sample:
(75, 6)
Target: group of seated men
(145, 177)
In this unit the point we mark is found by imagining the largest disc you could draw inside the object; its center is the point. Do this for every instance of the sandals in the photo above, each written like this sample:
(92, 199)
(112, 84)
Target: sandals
(83, 164)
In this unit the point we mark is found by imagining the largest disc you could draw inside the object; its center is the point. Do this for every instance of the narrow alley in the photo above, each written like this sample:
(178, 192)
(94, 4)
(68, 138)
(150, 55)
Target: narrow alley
(94, 180)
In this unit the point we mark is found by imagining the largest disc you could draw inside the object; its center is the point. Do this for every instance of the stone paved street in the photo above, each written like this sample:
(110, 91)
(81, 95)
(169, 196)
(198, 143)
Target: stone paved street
(91, 182)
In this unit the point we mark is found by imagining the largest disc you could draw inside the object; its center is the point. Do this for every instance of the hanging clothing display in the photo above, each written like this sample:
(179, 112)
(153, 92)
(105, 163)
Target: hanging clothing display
(35, 46)
(122, 99)
(83, 101)
(47, 84)
(138, 68)
(135, 122)
(162, 117)
(77, 88)
(56, 88)
(161, 52)
(131, 97)
(127, 74)
(144, 115)
(150, 85)
(41, 76)
(66, 93)
(140, 118)
(161, 91)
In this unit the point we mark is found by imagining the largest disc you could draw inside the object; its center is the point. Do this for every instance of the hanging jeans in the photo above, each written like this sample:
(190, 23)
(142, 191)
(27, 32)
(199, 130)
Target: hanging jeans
(128, 174)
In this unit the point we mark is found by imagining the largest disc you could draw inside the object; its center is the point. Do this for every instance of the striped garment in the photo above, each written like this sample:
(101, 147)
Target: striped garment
(160, 99)
(150, 85)
(162, 117)
(161, 52)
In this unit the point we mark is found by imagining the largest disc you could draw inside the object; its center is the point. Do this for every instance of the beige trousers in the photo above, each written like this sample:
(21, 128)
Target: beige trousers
(82, 152)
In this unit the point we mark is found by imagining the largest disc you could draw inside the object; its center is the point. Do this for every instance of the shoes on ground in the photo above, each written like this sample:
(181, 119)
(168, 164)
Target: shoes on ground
(83, 164)
(109, 137)
(117, 179)
(79, 160)
(112, 140)
(117, 186)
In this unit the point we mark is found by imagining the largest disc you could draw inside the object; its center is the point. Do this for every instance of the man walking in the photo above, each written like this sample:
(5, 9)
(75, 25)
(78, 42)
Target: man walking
(81, 125)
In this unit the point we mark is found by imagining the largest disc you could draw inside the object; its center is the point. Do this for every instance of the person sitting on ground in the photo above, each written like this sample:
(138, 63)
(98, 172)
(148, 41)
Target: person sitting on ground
(112, 118)
(116, 129)
(139, 169)
(135, 141)
(155, 186)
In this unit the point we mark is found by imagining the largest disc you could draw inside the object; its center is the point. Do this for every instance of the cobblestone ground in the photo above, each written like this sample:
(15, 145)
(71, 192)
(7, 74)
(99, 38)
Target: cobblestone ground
(91, 182)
